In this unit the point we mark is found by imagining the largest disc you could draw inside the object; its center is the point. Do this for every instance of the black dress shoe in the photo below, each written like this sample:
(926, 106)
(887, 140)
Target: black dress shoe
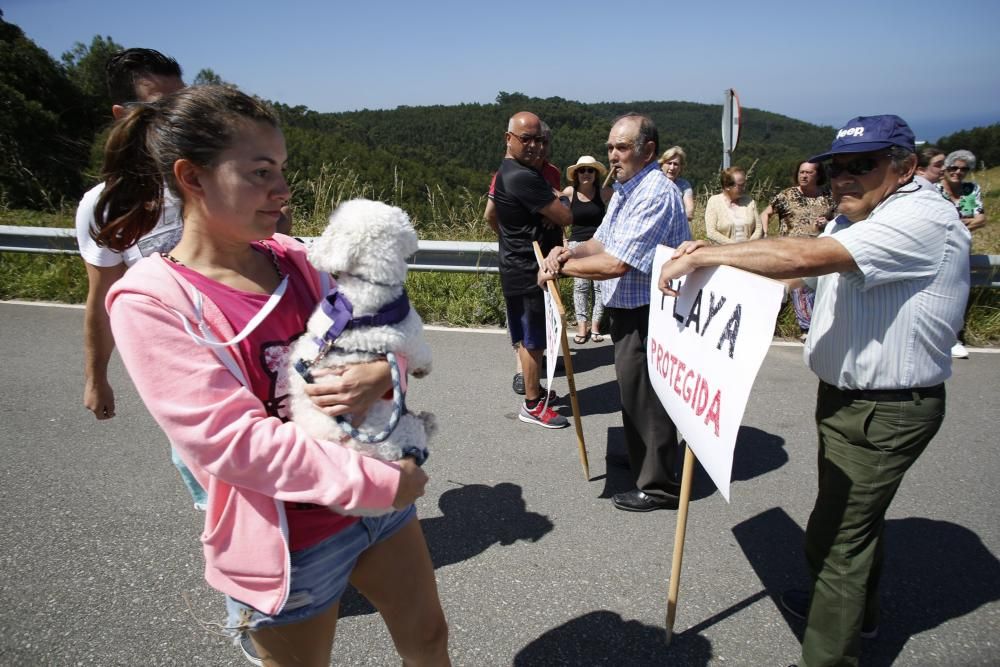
(637, 501)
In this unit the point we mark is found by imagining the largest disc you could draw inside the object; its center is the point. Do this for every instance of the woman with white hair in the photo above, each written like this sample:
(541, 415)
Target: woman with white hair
(965, 195)
(968, 199)
(588, 201)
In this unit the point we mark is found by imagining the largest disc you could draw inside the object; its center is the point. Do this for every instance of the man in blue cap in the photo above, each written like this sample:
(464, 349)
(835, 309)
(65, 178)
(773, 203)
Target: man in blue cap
(891, 274)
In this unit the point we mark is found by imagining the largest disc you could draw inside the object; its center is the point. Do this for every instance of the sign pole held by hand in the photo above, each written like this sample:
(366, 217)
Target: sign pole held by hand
(679, 534)
(553, 291)
(706, 345)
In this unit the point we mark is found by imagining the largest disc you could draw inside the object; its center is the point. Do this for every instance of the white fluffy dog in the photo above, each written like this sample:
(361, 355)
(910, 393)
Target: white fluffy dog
(365, 245)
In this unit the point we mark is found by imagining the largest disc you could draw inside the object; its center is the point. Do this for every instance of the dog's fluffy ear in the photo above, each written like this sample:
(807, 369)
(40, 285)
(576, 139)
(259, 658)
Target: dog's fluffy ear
(333, 251)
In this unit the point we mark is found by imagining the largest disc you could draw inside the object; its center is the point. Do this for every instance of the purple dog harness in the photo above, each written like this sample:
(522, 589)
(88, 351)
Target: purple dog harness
(339, 311)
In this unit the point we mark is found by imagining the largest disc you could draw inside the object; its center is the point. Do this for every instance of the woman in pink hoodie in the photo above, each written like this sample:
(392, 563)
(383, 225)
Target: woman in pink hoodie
(204, 333)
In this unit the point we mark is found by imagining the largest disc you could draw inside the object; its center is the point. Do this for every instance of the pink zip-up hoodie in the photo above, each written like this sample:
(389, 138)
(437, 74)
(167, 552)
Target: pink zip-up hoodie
(248, 462)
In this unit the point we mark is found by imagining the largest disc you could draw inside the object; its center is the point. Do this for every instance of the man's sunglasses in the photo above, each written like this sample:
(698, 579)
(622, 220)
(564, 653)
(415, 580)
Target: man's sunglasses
(859, 166)
(526, 139)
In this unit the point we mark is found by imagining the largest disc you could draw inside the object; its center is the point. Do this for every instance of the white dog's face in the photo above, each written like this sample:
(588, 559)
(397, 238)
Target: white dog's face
(368, 239)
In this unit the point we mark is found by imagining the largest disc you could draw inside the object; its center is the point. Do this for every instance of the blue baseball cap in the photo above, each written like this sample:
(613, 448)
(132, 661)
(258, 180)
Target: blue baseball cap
(870, 133)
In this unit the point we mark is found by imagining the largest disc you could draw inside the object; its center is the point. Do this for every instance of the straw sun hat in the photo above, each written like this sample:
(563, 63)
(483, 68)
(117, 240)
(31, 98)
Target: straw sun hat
(586, 161)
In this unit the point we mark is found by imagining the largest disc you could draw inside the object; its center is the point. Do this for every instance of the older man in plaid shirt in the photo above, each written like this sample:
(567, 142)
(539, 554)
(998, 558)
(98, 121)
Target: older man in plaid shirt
(646, 210)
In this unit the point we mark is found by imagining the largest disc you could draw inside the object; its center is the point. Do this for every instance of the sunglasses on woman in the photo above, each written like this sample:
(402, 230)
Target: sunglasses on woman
(586, 170)
(953, 169)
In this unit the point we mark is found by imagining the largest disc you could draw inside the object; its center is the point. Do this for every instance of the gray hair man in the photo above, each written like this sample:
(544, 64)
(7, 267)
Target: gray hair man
(891, 274)
(645, 211)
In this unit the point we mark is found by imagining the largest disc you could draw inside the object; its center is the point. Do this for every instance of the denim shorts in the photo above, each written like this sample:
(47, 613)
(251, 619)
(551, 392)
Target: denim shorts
(526, 320)
(319, 573)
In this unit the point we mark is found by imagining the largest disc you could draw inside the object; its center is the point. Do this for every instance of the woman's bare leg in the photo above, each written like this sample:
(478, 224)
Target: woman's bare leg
(397, 576)
(305, 644)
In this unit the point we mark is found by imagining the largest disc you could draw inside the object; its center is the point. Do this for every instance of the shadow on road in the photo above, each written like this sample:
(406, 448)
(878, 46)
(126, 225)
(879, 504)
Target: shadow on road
(757, 453)
(476, 517)
(605, 638)
(934, 571)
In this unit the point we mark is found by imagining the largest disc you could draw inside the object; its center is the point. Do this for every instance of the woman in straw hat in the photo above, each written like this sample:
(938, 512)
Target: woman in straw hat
(587, 203)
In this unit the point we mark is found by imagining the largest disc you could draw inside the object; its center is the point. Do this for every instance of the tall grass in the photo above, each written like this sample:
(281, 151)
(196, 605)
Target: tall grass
(452, 298)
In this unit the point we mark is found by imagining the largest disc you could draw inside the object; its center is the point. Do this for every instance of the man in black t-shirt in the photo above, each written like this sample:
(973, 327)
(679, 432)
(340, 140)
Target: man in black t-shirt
(524, 203)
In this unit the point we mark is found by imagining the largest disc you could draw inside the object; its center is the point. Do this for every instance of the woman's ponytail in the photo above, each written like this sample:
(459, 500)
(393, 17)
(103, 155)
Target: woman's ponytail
(130, 204)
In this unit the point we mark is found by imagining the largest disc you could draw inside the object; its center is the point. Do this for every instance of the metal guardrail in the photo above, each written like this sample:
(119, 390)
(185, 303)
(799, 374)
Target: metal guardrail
(448, 256)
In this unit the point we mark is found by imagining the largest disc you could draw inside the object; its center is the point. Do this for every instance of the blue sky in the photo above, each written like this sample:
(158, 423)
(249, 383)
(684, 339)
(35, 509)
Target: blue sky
(936, 64)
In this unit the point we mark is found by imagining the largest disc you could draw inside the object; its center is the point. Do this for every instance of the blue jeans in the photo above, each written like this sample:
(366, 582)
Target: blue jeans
(198, 494)
(320, 573)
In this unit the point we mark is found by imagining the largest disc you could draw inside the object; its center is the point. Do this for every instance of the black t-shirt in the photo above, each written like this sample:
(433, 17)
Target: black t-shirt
(519, 196)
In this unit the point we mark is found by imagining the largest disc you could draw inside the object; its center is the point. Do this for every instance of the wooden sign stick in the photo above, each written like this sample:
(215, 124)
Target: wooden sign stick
(679, 534)
(553, 286)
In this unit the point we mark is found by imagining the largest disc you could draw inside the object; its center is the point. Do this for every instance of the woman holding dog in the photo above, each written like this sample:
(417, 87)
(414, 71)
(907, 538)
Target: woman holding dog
(587, 203)
(203, 332)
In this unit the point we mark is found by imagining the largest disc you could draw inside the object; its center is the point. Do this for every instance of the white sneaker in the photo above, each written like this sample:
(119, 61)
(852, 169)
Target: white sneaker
(959, 351)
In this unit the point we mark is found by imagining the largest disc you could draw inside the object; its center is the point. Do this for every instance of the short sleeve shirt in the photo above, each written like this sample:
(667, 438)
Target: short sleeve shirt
(646, 211)
(520, 194)
(797, 213)
(162, 238)
(891, 323)
(970, 201)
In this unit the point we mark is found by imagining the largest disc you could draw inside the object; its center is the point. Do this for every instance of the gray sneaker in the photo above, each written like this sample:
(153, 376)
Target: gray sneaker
(249, 650)
(542, 415)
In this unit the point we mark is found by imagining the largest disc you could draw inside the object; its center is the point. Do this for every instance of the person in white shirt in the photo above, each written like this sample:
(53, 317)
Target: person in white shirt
(891, 274)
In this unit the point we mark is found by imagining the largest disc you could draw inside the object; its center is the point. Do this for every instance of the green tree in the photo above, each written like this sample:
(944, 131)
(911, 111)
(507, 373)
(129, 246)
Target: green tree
(46, 126)
(208, 76)
(85, 67)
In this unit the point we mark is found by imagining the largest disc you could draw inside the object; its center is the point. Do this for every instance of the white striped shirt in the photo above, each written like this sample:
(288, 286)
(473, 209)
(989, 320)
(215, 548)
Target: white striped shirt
(892, 323)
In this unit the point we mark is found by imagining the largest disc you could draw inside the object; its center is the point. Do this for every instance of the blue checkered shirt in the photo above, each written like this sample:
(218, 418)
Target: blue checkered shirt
(646, 211)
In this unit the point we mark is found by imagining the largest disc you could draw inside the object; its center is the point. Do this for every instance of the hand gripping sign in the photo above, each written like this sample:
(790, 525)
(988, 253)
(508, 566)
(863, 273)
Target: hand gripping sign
(704, 350)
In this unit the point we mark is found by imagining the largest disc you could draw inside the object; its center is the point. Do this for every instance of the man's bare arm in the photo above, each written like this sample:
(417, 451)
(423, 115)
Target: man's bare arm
(588, 260)
(557, 213)
(785, 257)
(98, 342)
(490, 216)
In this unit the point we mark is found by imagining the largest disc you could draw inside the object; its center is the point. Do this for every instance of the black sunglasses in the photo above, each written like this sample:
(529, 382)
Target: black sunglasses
(586, 170)
(859, 166)
(528, 139)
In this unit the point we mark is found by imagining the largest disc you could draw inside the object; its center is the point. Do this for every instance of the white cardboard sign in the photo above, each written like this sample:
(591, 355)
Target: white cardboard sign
(704, 350)
(553, 340)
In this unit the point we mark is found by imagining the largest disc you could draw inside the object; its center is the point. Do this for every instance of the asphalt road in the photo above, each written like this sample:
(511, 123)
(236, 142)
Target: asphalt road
(101, 563)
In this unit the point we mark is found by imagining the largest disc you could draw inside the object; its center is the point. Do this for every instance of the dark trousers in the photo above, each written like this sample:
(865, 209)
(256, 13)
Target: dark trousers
(650, 435)
(865, 448)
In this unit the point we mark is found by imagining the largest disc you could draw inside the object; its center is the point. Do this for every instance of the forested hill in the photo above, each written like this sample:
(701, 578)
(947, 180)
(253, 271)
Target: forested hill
(458, 146)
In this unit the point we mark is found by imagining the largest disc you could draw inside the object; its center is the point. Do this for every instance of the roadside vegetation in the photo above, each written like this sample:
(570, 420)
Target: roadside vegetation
(453, 299)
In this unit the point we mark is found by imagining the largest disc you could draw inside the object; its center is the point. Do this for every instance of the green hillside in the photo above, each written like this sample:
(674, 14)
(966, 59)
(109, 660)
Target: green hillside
(404, 151)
